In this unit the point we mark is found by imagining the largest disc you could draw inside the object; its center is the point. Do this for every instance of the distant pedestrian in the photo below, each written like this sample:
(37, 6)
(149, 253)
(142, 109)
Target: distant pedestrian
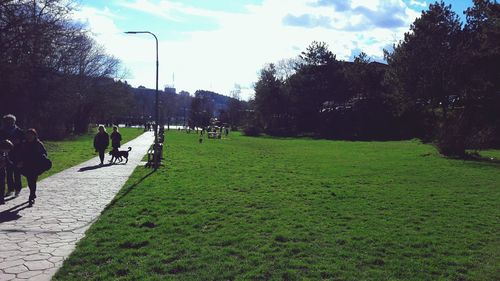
(116, 138)
(101, 142)
(33, 161)
(15, 135)
(5, 147)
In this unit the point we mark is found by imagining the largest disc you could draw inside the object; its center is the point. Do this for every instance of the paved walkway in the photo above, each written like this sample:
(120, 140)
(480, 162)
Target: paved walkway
(35, 241)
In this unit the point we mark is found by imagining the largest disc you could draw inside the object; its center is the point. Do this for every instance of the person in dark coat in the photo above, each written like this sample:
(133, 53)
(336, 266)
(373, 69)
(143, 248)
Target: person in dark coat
(15, 135)
(5, 147)
(32, 152)
(101, 142)
(116, 138)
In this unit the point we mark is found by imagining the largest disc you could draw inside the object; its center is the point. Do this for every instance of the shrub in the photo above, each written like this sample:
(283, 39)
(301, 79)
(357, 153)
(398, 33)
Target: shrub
(451, 138)
(251, 130)
(459, 133)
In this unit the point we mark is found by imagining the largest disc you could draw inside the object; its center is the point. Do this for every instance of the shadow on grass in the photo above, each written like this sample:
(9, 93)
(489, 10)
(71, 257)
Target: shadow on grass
(477, 159)
(88, 168)
(481, 159)
(12, 213)
(127, 190)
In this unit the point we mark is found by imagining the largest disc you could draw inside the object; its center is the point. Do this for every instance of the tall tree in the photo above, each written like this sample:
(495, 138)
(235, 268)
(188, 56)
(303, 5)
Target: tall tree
(201, 110)
(48, 63)
(314, 82)
(270, 101)
(423, 64)
(235, 108)
(480, 52)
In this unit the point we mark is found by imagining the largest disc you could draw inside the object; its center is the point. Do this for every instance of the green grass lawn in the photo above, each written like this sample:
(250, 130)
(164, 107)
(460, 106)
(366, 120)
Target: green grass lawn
(246, 208)
(72, 151)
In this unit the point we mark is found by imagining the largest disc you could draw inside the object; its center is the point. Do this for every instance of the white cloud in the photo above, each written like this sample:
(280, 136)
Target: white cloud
(422, 4)
(243, 43)
(164, 9)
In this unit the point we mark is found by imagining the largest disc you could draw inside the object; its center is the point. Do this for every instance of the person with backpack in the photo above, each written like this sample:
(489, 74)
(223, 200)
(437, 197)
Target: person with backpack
(33, 161)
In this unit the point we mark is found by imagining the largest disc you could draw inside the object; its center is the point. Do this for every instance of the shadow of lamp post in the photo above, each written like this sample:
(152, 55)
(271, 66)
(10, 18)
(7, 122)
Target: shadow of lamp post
(156, 157)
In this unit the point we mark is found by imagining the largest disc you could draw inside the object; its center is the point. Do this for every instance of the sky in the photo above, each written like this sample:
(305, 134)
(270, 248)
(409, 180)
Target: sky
(221, 45)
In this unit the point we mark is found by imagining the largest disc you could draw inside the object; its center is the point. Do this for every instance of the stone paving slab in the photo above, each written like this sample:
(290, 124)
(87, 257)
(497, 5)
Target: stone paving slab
(35, 241)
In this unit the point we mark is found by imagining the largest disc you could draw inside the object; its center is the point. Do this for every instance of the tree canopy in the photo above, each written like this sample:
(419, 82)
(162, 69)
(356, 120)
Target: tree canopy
(441, 83)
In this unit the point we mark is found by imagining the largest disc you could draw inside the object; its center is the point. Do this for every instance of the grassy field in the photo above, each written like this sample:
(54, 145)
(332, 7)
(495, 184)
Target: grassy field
(75, 150)
(296, 209)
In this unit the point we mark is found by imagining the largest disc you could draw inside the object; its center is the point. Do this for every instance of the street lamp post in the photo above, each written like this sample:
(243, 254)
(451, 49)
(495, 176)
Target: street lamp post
(156, 157)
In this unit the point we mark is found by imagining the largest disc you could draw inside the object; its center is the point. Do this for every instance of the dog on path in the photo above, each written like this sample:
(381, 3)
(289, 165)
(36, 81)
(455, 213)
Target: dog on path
(119, 155)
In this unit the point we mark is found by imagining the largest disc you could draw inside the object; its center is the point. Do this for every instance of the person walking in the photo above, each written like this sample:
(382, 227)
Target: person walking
(32, 161)
(10, 131)
(5, 147)
(116, 138)
(101, 142)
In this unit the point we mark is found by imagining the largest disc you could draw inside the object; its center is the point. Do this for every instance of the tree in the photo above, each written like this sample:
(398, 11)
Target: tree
(30, 33)
(234, 109)
(480, 79)
(423, 64)
(50, 64)
(315, 81)
(183, 103)
(201, 111)
(287, 67)
(270, 101)
(91, 66)
(317, 54)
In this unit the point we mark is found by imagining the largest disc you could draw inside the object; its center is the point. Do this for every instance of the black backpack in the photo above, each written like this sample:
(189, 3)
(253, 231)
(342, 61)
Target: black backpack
(45, 164)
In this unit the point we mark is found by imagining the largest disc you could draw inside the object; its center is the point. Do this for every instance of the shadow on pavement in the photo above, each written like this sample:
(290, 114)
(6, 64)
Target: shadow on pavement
(12, 213)
(88, 168)
(10, 198)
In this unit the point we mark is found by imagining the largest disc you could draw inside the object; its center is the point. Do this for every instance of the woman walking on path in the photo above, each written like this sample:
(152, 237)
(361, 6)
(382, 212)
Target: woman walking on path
(101, 142)
(116, 138)
(31, 161)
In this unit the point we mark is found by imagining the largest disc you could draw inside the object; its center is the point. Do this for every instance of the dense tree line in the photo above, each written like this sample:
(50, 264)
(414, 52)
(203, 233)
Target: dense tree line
(441, 83)
(53, 75)
(206, 105)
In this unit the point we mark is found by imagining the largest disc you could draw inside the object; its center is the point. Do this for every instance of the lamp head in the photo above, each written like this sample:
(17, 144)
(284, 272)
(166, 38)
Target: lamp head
(136, 32)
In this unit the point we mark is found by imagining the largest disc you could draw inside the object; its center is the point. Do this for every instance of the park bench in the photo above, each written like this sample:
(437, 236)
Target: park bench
(211, 135)
(151, 154)
(214, 135)
(151, 150)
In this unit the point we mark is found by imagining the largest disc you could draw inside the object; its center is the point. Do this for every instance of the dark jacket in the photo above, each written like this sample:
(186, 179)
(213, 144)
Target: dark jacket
(16, 153)
(11, 134)
(101, 141)
(31, 155)
(4, 162)
(116, 138)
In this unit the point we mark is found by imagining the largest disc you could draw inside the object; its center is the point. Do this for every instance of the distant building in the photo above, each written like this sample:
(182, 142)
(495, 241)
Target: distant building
(170, 90)
(144, 103)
